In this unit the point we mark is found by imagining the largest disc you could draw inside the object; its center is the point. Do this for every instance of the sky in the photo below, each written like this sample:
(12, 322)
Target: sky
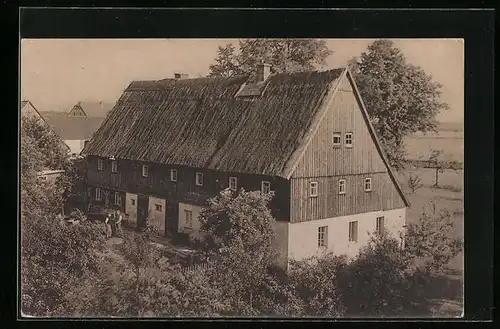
(57, 73)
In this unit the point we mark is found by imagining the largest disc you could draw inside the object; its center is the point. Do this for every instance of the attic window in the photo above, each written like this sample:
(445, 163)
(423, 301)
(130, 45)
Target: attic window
(348, 140)
(337, 139)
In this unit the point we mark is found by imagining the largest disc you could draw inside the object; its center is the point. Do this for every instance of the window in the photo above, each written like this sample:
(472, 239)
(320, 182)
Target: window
(380, 225)
(145, 171)
(199, 179)
(342, 186)
(114, 166)
(233, 183)
(353, 231)
(322, 236)
(313, 189)
(158, 207)
(337, 139)
(99, 164)
(368, 184)
(348, 140)
(132, 202)
(265, 187)
(118, 199)
(98, 194)
(173, 175)
(188, 218)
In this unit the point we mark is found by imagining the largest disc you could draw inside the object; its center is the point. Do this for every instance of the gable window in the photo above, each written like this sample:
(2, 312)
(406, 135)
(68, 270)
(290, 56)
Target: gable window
(98, 193)
(265, 187)
(348, 140)
(145, 171)
(118, 199)
(337, 139)
(173, 175)
(188, 218)
(313, 189)
(132, 202)
(322, 236)
(353, 231)
(342, 186)
(368, 184)
(114, 166)
(199, 179)
(99, 164)
(158, 207)
(380, 225)
(233, 183)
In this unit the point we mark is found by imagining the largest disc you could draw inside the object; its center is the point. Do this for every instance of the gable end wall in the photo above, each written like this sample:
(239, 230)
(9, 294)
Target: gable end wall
(326, 164)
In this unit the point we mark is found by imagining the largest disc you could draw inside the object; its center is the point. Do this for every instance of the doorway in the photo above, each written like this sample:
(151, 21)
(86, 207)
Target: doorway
(142, 210)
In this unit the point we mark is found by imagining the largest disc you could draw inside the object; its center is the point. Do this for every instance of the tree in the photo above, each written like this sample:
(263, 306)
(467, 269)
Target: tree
(239, 239)
(375, 282)
(55, 260)
(414, 182)
(315, 282)
(40, 148)
(147, 285)
(284, 55)
(401, 98)
(72, 183)
(440, 165)
(430, 241)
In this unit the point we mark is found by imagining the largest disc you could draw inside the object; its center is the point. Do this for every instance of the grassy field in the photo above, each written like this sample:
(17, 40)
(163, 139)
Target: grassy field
(446, 293)
(449, 138)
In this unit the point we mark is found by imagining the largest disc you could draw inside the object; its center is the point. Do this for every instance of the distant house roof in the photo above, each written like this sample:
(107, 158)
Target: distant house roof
(200, 123)
(73, 128)
(94, 109)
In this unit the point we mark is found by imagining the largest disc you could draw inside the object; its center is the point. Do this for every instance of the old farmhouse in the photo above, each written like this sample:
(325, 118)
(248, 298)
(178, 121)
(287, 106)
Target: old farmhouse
(168, 145)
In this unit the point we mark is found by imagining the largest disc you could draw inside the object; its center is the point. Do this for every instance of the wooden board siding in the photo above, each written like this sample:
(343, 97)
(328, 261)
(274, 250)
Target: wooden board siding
(129, 179)
(329, 203)
(321, 158)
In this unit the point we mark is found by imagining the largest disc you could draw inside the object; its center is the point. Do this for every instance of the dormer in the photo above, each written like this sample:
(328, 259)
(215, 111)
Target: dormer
(255, 85)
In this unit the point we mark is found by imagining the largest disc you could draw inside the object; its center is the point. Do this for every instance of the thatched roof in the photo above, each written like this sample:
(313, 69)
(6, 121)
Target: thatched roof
(200, 123)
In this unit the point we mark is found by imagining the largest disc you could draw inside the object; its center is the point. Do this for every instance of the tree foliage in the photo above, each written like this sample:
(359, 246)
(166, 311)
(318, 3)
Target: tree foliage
(40, 149)
(55, 259)
(430, 241)
(401, 98)
(239, 240)
(284, 55)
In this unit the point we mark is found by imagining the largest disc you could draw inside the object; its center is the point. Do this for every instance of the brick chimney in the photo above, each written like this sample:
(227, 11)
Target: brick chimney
(263, 71)
(180, 76)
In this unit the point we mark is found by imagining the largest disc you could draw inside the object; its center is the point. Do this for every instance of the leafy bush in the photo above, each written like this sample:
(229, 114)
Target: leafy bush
(315, 282)
(54, 258)
(430, 241)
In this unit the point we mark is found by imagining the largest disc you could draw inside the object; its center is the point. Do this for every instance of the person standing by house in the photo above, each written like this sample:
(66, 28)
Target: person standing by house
(107, 222)
(118, 223)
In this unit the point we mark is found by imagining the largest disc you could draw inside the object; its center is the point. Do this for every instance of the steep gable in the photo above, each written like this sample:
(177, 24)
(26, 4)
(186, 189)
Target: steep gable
(345, 114)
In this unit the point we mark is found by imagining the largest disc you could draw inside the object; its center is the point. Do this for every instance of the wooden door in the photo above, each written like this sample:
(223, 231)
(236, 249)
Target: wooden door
(142, 210)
